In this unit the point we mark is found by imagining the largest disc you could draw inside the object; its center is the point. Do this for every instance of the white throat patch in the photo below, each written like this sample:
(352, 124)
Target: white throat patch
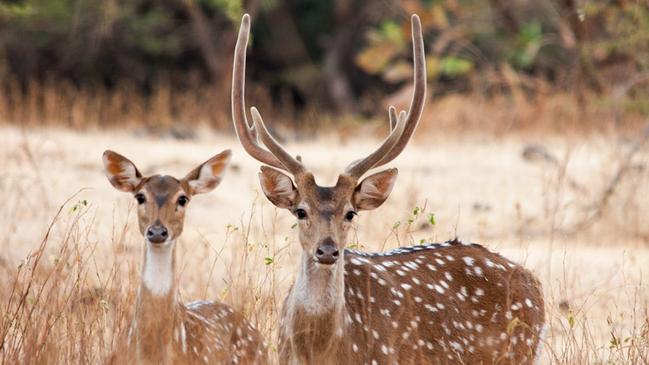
(157, 274)
(320, 290)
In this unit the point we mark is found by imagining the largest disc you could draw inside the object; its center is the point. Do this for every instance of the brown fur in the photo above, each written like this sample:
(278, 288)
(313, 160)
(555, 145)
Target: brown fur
(444, 303)
(409, 331)
(164, 331)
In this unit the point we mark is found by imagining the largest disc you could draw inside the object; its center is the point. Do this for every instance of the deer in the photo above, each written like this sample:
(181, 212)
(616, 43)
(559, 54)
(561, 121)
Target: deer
(163, 330)
(433, 303)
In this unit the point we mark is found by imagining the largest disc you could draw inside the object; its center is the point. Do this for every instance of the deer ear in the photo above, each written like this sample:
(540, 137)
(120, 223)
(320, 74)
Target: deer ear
(208, 175)
(374, 190)
(121, 172)
(277, 187)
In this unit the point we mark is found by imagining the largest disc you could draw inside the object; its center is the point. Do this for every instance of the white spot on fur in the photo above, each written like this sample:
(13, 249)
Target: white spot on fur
(468, 260)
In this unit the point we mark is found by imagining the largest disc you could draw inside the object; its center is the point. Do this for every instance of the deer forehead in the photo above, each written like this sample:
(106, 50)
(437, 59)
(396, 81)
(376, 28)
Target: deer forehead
(162, 188)
(327, 199)
(326, 209)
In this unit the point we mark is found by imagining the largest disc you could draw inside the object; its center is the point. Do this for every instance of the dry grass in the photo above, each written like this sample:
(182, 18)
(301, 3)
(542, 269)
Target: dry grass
(71, 252)
(61, 103)
(172, 111)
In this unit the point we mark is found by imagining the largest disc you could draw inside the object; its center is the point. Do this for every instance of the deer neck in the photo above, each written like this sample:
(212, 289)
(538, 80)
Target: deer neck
(157, 307)
(319, 289)
(316, 309)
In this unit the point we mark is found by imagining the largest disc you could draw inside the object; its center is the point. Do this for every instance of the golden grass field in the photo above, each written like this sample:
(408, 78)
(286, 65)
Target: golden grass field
(68, 279)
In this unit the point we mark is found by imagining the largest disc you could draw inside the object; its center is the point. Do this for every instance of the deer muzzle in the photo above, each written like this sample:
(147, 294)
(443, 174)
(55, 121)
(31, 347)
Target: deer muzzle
(327, 253)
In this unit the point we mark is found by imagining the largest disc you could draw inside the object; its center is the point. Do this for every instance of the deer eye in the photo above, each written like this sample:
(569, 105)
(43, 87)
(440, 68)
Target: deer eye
(350, 215)
(300, 213)
(140, 198)
(183, 200)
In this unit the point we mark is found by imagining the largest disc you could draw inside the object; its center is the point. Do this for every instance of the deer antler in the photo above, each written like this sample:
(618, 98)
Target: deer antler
(290, 163)
(248, 133)
(403, 127)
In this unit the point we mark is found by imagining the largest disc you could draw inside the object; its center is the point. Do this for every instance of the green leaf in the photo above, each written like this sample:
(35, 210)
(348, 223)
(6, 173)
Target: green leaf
(433, 67)
(80, 204)
(528, 43)
(376, 58)
(456, 66)
(571, 320)
(104, 304)
(530, 33)
(232, 8)
(16, 10)
(391, 31)
(431, 218)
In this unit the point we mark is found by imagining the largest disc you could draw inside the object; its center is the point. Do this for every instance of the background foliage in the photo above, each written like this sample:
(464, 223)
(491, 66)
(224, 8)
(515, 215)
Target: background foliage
(335, 56)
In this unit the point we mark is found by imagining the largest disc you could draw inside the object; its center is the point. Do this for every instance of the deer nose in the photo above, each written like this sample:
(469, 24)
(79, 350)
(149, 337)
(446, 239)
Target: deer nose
(157, 234)
(327, 253)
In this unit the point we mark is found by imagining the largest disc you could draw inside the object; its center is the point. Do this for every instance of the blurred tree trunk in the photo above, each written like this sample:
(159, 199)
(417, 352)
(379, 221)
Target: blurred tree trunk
(586, 72)
(200, 24)
(505, 9)
(350, 18)
(338, 86)
(287, 46)
(284, 48)
(336, 52)
(218, 61)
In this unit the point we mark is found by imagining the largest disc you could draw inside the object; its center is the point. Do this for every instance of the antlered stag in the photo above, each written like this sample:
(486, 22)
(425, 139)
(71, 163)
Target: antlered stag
(436, 303)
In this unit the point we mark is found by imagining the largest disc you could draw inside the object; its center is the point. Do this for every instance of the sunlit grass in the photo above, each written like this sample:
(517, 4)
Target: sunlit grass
(71, 250)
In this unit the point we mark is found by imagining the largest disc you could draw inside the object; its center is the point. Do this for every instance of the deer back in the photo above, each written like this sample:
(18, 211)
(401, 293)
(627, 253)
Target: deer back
(440, 303)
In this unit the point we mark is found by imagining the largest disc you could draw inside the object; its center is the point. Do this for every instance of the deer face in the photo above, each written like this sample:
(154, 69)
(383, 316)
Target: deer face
(161, 208)
(325, 214)
(162, 199)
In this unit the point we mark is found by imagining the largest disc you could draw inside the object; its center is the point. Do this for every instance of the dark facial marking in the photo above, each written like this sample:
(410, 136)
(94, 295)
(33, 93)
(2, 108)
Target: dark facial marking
(162, 187)
(327, 213)
(328, 199)
(325, 193)
(161, 199)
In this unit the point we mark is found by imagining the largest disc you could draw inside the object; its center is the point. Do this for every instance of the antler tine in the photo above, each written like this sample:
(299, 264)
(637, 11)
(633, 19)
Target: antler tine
(394, 118)
(419, 94)
(403, 126)
(392, 114)
(291, 164)
(358, 168)
(246, 132)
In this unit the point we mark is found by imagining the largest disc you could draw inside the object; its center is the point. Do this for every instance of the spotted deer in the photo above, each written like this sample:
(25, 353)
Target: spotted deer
(163, 330)
(435, 303)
